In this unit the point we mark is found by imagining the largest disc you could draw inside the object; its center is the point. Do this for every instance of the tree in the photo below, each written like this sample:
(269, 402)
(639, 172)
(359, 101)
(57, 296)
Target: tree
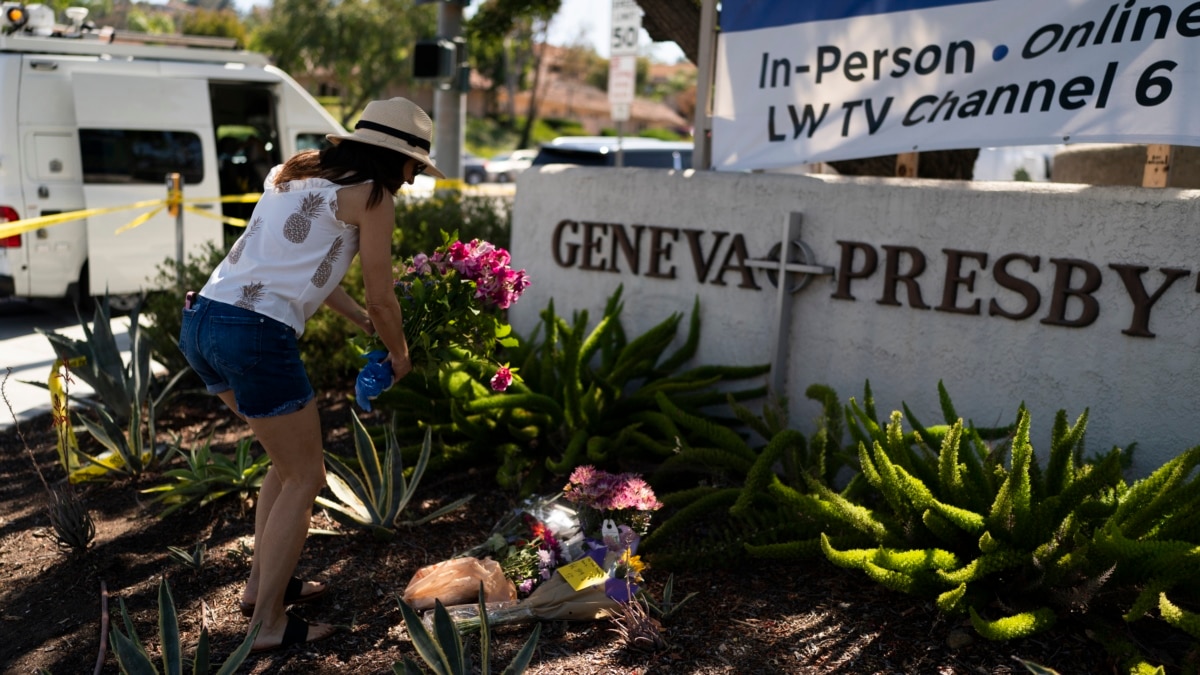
(362, 45)
(219, 23)
(515, 31)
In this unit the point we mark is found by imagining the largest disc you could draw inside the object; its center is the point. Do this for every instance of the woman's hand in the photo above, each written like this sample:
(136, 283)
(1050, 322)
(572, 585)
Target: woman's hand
(401, 366)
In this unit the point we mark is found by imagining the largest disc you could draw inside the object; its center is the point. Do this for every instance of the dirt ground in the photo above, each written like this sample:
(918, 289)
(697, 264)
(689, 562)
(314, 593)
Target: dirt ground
(763, 617)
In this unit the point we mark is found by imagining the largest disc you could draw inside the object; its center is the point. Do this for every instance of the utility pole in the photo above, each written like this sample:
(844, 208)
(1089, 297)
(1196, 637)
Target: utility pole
(450, 101)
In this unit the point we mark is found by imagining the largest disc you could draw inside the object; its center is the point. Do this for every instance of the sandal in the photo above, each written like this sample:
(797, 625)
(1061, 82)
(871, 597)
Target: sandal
(295, 633)
(292, 595)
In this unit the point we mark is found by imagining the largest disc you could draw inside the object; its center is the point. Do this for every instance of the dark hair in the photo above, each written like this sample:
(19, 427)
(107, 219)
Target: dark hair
(350, 163)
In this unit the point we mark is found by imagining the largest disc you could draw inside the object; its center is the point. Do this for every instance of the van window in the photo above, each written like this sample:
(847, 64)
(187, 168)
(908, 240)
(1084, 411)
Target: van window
(137, 156)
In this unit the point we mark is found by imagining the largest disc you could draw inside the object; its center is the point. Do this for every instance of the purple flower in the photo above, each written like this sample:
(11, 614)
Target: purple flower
(420, 264)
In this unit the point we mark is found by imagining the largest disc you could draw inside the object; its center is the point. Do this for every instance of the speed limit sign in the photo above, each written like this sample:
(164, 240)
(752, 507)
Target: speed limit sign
(622, 71)
(626, 24)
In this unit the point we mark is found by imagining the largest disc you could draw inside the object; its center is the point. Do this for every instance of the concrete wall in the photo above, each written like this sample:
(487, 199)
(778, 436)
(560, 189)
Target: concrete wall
(991, 251)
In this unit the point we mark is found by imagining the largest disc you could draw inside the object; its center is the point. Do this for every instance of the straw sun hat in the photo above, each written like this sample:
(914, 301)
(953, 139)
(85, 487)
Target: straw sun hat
(396, 124)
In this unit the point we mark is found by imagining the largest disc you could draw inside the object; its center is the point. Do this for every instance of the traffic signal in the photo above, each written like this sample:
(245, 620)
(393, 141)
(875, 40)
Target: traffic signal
(434, 60)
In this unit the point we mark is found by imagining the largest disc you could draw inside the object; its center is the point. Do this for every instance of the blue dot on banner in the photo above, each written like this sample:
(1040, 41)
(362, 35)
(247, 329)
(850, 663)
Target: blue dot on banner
(999, 53)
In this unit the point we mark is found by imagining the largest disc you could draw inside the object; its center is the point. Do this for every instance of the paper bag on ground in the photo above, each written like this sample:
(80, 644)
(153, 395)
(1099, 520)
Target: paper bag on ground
(456, 581)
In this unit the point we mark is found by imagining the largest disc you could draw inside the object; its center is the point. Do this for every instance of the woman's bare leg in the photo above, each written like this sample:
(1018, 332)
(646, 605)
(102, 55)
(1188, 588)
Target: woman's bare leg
(267, 493)
(293, 442)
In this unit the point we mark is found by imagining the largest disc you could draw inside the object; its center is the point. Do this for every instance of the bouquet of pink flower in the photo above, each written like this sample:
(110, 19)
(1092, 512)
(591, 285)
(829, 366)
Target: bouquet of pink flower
(601, 496)
(452, 301)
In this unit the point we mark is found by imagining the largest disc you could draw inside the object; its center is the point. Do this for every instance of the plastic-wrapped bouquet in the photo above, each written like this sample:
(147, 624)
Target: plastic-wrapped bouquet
(580, 559)
(451, 300)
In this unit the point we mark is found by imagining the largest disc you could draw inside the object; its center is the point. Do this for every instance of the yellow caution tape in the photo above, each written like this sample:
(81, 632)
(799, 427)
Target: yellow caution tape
(139, 220)
(28, 224)
(228, 220)
(20, 226)
(68, 445)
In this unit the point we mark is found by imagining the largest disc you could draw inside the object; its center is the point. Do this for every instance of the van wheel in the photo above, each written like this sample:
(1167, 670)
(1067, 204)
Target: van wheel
(79, 293)
(473, 178)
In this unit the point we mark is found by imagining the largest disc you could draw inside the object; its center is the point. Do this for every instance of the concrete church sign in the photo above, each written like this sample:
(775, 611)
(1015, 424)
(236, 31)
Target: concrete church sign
(1064, 297)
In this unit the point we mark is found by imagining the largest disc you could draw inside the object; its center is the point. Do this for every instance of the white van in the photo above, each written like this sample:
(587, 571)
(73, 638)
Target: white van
(92, 119)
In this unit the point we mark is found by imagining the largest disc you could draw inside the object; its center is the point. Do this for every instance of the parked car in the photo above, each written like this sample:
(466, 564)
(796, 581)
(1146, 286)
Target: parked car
(602, 151)
(503, 168)
(473, 171)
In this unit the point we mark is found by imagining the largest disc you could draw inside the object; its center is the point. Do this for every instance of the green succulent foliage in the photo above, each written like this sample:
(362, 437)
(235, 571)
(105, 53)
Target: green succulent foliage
(209, 476)
(133, 658)
(443, 651)
(1151, 540)
(1012, 529)
(587, 395)
(763, 503)
(71, 524)
(375, 495)
(125, 410)
(193, 560)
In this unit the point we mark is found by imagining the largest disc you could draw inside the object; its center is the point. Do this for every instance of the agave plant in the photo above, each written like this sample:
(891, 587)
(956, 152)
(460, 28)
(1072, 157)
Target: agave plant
(132, 657)
(375, 496)
(123, 404)
(210, 476)
(443, 650)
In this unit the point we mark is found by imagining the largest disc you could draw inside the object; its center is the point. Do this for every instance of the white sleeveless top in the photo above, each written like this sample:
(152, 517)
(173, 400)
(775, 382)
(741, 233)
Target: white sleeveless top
(292, 255)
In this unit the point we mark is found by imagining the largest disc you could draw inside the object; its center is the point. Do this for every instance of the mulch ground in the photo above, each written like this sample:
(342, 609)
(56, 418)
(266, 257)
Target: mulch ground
(762, 617)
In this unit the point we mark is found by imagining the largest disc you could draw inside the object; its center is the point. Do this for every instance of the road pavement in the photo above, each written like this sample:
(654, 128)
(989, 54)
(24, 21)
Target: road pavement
(26, 355)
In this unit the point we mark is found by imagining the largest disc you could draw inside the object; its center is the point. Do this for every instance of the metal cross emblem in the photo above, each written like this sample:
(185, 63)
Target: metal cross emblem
(789, 272)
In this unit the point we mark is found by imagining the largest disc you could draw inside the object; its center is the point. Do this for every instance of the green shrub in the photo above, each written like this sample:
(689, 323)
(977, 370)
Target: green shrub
(746, 497)
(587, 396)
(420, 223)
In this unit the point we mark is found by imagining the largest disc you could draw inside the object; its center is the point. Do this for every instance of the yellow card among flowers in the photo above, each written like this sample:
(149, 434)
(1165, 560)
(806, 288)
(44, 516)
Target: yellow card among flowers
(583, 573)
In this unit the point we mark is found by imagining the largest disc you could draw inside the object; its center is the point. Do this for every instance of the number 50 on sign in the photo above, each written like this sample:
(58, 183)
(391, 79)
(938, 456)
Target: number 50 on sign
(626, 24)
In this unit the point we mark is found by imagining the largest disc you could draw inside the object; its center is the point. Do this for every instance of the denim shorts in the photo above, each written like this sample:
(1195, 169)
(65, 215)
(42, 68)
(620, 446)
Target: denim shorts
(252, 354)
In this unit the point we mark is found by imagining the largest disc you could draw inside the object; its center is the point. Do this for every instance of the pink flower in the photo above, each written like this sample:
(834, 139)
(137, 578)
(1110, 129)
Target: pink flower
(502, 379)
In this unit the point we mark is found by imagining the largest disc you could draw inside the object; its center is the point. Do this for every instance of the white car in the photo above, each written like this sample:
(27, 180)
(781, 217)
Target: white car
(503, 168)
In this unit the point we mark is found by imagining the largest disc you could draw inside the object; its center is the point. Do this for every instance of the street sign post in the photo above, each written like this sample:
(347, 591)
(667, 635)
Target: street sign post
(622, 63)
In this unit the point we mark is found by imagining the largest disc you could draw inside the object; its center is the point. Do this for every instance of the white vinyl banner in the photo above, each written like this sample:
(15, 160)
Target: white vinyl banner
(801, 82)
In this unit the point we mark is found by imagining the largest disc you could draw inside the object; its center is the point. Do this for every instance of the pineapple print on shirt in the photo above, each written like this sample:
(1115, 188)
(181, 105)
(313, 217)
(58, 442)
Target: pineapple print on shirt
(325, 269)
(297, 225)
(236, 254)
(251, 294)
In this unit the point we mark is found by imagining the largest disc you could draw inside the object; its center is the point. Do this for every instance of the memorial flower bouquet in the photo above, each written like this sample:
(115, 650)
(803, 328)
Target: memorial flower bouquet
(452, 301)
(579, 557)
(624, 499)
